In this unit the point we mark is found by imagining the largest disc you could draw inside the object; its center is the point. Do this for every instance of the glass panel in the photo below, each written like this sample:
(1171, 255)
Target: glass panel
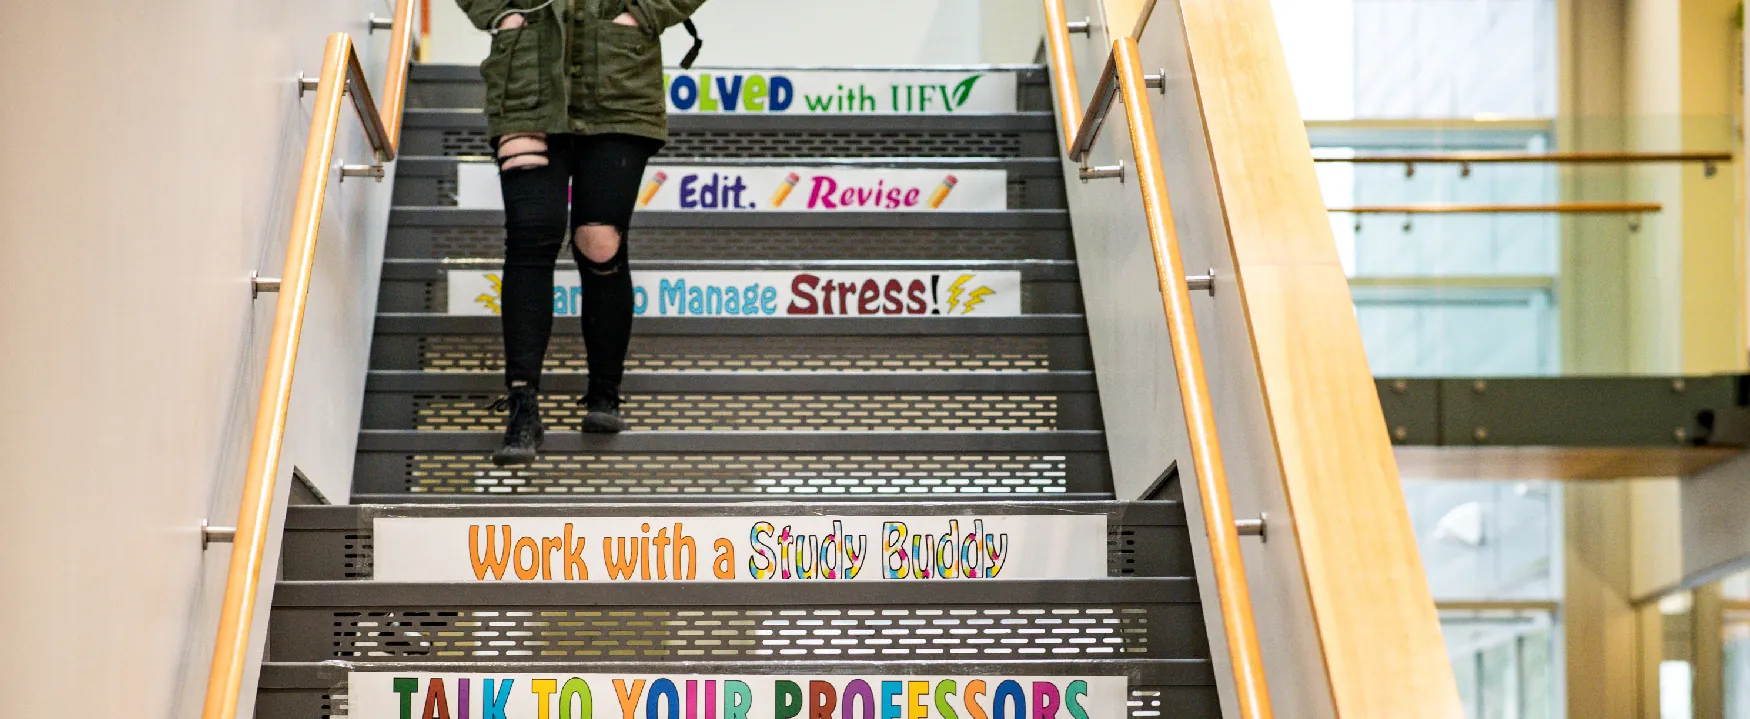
(1504, 661)
(1487, 540)
(1421, 58)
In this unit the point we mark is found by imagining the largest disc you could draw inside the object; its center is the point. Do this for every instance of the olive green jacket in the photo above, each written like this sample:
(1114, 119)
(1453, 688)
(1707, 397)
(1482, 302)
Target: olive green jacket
(570, 68)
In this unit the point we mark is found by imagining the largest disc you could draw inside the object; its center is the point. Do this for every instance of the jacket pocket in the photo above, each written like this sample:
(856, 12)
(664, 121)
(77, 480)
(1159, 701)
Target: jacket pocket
(513, 71)
(630, 63)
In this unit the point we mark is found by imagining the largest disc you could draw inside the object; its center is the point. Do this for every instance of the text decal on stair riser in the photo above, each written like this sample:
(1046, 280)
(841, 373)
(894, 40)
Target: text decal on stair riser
(416, 695)
(772, 293)
(840, 92)
(732, 188)
(779, 548)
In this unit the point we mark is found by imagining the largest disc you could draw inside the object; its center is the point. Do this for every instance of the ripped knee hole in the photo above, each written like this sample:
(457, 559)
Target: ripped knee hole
(599, 243)
(522, 150)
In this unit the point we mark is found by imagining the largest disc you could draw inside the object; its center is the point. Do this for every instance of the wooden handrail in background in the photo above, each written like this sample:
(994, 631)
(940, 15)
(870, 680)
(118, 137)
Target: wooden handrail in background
(1228, 567)
(341, 76)
(395, 75)
(1557, 208)
(1063, 62)
(1088, 132)
(1551, 158)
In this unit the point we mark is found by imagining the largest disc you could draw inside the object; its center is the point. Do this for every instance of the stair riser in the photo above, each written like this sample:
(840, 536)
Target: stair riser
(450, 88)
(1178, 689)
(336, 543)
(415, 295)
(436, 187)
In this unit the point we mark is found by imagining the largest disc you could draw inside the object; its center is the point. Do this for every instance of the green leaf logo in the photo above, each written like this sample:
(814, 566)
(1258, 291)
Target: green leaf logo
(963, 91)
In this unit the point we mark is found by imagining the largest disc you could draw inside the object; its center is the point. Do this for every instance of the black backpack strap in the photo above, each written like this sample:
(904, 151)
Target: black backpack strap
(698, 44)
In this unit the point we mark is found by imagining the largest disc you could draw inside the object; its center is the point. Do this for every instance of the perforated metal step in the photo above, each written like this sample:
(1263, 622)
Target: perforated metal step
(655, 466)
(1022, 134)
(1144, 539)
(1177, 688)
(1035, 343)
(743, 402)
(1035, 183)
(694, 621)
(448, 233)
(1047, 286)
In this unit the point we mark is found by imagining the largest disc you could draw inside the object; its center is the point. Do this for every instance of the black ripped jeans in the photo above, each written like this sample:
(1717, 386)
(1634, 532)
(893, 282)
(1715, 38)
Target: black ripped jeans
(601, 174)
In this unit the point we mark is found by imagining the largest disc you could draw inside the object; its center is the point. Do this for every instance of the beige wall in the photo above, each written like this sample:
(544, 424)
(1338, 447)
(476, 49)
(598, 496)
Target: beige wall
(149, 157)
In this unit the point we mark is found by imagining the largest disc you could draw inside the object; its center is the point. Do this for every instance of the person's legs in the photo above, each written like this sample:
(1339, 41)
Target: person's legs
(607, 171)
(533, 178)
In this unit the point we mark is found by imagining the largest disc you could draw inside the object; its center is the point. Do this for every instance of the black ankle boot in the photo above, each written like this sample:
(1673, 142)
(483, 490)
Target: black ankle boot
(603, 403)
(522, 430)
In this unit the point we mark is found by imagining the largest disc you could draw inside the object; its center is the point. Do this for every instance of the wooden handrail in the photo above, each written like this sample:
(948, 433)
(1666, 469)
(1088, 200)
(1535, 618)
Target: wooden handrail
(1105, 91)
(359, 90)
(1558, 208)
(1063, 63)
(1233, 592)
(1123, 74)
(1552, 158)
(342, 75)
(395, 75)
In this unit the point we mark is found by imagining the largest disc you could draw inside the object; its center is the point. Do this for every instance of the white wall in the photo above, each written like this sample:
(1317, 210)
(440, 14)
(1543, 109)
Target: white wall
(817, 32)
(149, 157)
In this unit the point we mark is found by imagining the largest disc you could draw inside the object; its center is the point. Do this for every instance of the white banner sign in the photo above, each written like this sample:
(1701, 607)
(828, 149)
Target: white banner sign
(773, 293)
(782, 189)
(724, 549)
(862, 92)
(560, 695)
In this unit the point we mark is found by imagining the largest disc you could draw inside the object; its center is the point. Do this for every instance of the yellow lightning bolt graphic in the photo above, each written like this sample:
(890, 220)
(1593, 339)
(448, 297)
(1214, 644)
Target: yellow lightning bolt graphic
(976, 299)
(954, 293)
(491, 299)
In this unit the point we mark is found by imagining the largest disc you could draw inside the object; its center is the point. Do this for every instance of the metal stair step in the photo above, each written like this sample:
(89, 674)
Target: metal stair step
(459, 86)
(462, 131)
(404, 465)
(1047, 286)
(448, 233)
(335, 542)
(1035, 183)
(1178, 688)
(740, 402)
(1026, 344)
(894, 621)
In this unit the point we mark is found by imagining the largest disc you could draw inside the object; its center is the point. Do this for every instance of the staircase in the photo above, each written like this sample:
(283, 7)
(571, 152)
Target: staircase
(741, 420)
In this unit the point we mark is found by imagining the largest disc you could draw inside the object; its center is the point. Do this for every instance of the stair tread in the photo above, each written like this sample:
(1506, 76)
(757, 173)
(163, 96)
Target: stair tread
(778, 442)
(813, 593)
(325, 676)
(452, 72)
(428, 216)
(492, 499)
(1031, 270)
(350, 517)
(733, 382)
(1040, 324)
(471, 118)
(424, 165)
